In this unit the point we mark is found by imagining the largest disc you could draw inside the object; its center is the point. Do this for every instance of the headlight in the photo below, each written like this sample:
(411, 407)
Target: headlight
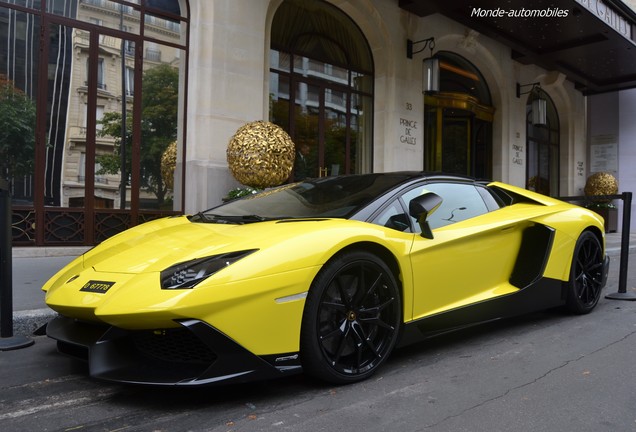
(188, 274)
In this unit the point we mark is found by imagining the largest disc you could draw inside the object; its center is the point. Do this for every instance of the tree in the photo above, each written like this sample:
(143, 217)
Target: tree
(159, 106)
(17, 130)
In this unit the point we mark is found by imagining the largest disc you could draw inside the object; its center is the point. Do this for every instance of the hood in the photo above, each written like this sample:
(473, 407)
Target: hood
(156, 245)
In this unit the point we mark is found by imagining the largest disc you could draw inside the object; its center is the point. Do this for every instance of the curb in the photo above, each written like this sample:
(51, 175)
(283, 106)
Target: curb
(52, 251)
(616, 250)
(26, 323)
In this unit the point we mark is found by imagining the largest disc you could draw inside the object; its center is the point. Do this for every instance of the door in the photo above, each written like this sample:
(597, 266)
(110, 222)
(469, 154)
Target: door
(321, 131)
(457, 140)
(472, 254)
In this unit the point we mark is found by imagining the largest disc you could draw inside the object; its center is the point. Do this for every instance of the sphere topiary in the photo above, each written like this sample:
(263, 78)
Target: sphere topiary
(168, 164)
(601, 183)
(260, 155)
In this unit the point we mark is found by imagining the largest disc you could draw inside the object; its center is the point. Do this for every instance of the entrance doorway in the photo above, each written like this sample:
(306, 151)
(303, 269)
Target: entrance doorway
(458, 121)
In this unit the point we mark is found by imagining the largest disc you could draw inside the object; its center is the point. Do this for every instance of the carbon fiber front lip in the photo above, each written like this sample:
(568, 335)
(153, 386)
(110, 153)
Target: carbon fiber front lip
(113, 355)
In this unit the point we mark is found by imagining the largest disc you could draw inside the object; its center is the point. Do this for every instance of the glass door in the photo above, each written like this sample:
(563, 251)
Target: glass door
(307, 133)
(321, 131)
(457, 140)
(456, 137)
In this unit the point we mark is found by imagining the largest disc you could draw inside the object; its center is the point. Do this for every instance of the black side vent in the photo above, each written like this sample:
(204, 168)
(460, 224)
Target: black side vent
(536, 244)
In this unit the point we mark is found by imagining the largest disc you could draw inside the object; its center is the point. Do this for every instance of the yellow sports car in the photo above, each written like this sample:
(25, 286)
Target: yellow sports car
(325, 276)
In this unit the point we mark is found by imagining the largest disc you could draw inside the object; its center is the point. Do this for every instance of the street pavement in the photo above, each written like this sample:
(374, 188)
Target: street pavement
(547, 371)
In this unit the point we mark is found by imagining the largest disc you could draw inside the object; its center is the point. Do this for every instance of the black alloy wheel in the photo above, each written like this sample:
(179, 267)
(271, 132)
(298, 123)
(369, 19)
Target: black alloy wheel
(586, 275)
(352, 318)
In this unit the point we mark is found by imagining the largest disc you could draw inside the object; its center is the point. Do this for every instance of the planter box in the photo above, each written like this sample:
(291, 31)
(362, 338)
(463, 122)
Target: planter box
(610, 215)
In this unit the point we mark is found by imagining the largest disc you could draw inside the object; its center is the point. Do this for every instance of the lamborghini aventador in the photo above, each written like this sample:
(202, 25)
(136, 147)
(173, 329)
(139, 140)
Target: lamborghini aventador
(326, 276)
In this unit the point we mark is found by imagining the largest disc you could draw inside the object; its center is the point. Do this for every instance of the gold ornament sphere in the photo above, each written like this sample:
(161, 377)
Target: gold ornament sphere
(261, 154)
(601, 183)
(168, 164)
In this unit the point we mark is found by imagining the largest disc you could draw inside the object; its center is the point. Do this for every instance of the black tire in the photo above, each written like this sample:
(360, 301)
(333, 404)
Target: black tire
(352, 318)
(586, 274)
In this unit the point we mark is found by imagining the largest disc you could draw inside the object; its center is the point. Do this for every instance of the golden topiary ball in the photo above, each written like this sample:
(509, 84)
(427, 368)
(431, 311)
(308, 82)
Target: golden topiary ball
(168, 164)
(261, 154)
(601, 183)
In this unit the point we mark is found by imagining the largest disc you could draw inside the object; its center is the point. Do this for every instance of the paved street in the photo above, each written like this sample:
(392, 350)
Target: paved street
(543, 372)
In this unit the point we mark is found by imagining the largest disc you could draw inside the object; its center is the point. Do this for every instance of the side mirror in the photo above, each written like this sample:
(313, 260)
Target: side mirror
(421, 207)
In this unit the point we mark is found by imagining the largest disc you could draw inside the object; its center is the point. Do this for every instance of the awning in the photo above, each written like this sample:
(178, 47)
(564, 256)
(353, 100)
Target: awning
(590, 41)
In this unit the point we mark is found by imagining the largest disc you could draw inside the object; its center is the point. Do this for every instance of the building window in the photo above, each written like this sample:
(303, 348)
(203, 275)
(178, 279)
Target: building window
(321, 88)
(542, 144)
(101, 81)
(93, 147)
(130, 81)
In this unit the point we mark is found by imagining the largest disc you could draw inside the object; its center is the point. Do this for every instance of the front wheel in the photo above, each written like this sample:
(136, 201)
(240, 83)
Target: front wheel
(352, 318)
(586, 274)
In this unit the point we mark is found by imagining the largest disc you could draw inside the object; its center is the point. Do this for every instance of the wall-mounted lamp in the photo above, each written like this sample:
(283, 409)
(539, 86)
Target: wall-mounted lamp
(430, 75)
(430, 65)
(539, 105)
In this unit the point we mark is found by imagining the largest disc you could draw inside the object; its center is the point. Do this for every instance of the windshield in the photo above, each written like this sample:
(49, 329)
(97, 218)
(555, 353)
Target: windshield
(329, 197)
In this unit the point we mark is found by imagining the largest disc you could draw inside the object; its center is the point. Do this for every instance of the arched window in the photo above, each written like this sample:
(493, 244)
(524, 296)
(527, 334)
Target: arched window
(321, 88)
(458, 120)
(105, 78)
(542, 144)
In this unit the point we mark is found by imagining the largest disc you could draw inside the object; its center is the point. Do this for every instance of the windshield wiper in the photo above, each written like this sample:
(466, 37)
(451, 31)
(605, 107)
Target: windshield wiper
(199, 217)
(239, 219)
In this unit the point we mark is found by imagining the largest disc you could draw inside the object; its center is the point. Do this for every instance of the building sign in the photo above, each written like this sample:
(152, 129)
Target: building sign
(517, 157)
(604, 154)
(408, 128)
(609, 16)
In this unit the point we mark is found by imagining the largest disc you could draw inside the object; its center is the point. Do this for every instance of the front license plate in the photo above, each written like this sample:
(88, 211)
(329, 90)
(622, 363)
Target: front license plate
(97, 286)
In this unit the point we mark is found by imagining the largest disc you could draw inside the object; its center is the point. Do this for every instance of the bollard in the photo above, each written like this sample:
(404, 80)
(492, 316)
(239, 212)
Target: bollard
(622, 293)
(7, 340)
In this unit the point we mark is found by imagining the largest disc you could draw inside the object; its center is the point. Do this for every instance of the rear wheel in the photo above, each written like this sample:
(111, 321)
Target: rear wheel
(351, 320)
(586, 274)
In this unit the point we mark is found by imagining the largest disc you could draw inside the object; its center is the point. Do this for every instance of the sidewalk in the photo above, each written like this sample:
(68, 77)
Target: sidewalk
(32, 267)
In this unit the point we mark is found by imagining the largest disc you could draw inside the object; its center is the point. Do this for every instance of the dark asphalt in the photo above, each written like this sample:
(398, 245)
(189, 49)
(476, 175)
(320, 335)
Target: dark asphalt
(542, 372)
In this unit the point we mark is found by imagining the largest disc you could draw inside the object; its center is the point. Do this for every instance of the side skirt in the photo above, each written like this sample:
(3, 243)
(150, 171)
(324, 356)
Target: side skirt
(542, 294)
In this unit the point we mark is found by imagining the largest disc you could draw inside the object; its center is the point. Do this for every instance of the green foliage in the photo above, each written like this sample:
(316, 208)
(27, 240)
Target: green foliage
(599, 205)
(240, 193)
(159, 102)
(17, 130)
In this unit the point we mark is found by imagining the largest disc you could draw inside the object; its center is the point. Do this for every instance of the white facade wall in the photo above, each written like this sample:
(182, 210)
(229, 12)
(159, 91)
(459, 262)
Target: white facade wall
(612, 122)
(627, 149)
(626, 140)
(228, 86)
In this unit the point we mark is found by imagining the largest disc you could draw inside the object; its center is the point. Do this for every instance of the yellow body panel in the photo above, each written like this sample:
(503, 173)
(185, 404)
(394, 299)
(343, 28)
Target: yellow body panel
(258, 301)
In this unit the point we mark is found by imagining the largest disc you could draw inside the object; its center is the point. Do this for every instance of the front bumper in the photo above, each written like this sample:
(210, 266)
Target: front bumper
(193, 354)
